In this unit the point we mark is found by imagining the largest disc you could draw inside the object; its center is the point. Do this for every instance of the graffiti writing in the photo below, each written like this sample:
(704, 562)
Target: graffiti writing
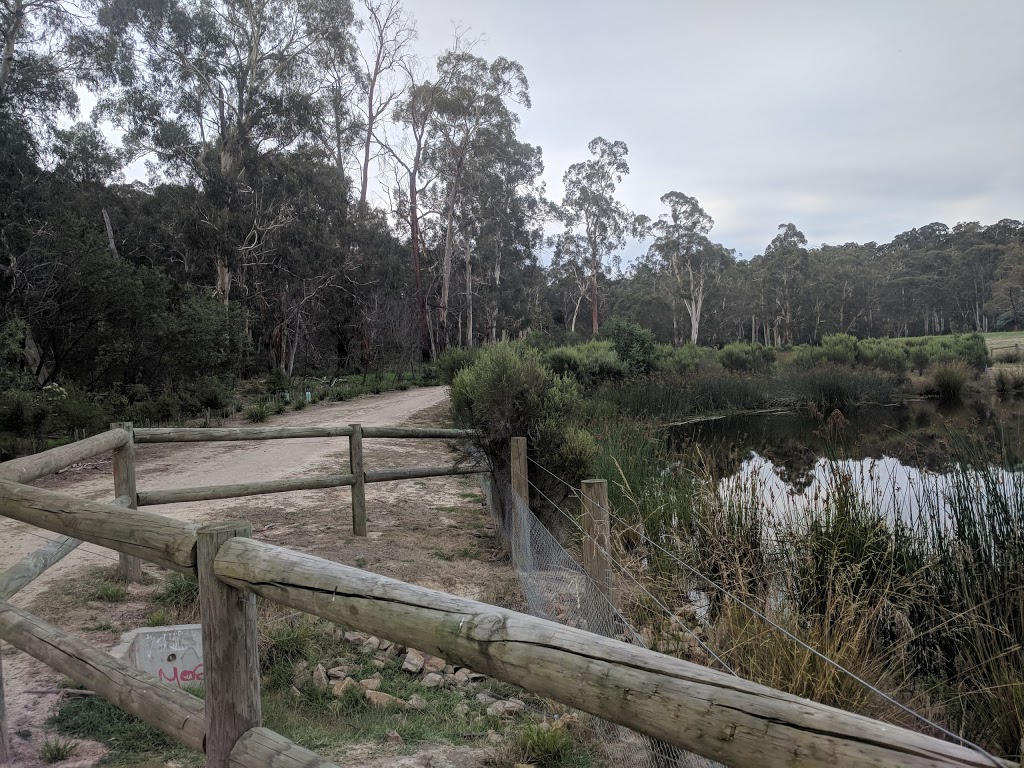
(181, 677)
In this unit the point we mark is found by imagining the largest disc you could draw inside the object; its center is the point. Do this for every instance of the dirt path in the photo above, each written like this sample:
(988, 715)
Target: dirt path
(431, 532)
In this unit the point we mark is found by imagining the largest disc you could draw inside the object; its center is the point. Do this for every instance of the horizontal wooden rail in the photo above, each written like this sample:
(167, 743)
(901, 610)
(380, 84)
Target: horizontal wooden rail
(220, 434)
(421, 432)
(173, 711)
(411, 473)
(168, 543)
(29, 468)
(34, 564)
(695, 708)
(178, 495)
(205, 493)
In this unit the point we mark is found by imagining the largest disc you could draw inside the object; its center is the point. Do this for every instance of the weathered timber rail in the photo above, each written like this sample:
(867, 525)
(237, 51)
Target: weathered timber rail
(684, 704)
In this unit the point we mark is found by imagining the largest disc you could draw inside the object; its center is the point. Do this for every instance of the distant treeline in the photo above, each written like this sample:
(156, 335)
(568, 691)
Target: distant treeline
(257, 246)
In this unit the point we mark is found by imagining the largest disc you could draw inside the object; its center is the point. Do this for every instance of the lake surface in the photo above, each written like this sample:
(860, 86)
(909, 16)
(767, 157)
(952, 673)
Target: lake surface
(900, 458)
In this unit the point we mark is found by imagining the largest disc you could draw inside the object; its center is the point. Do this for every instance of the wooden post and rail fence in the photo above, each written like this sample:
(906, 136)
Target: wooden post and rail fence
(684, 704)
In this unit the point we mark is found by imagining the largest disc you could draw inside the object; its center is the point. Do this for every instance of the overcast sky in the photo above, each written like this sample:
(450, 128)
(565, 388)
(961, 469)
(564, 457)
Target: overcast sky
(855, 120)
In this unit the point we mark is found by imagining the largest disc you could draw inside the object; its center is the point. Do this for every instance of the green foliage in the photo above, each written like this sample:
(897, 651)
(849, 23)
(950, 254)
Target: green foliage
(545, 745)
(634, 345)
(56, 750)
(257, 413)
(132, 741)
(840, 348)
(831, 385)
(179, 594)
(109, 592)
(509, 392)
(453, 360)
(888, 355)
(590, 363)
(686, 359)
(746, 358)
(949, 379)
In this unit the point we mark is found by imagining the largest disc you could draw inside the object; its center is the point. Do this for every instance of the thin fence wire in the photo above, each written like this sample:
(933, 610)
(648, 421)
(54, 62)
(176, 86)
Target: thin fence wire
(558, 588)
(703, 578)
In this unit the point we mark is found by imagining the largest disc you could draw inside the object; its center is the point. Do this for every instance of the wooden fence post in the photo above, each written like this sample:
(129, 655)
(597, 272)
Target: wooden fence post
(355, 464)
(124, 485)
(597, 530)
(231, 672)
(520, 475)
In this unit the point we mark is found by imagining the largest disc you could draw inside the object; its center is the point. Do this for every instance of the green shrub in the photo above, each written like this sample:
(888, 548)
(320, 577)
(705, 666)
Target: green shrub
(950, 378)
(685, 359)
(509, 392)
(743, 357)
(634, 345)
(109, 592)
(257, 413)
(887, 355)
(453, 360)
(300, 402)
(591, 363)
(919, 358)
(543, 746)
(278, 381)
(839, 348)
(179, 594)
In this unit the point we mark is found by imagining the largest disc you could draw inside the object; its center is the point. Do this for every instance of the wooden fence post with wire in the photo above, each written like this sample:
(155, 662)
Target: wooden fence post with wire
(597, 534)
(520, 476)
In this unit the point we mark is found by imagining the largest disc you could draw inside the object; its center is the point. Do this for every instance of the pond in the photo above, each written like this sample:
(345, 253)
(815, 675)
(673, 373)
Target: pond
(900, 458)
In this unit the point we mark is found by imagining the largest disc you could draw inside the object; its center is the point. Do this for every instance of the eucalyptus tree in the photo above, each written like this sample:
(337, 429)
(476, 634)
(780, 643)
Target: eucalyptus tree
(784, 265)
(389, 31)
(406, 151)
(472, 116)
(39, 66)
(211, 87)
(500, 217)
(694, 263)
(589, 207)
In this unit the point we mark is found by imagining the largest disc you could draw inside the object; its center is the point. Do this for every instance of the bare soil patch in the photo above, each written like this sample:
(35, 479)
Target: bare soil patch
(434, 532)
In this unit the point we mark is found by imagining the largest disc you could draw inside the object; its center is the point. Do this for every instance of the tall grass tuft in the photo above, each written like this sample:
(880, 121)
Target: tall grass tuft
(949, 379)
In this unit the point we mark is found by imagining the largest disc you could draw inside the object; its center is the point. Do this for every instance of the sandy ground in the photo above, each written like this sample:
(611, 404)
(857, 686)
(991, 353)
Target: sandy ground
(415, 530)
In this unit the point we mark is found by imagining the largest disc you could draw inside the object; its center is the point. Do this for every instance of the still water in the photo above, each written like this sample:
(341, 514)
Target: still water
(899, 459)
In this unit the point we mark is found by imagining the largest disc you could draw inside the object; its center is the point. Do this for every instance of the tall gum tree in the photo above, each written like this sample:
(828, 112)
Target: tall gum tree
(389, 31)
(472, 114)
(211, 87)
(694, 263)
(589, 205)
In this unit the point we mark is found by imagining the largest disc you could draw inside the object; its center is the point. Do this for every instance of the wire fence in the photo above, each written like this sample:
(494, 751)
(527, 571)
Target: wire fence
(558, 588)
(706, 583)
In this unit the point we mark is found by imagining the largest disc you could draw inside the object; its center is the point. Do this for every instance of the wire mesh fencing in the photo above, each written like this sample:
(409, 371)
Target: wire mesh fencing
(558, 588)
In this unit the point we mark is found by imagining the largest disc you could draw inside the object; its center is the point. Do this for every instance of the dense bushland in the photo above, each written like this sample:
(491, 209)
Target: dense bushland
(926, 607)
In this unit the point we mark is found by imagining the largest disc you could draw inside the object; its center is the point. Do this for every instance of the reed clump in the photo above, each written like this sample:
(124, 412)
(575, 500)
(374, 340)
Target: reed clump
(927, 605)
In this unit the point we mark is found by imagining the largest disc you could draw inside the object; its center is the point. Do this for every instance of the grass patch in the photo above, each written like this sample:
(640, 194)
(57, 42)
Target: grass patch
(56, 750)
(131, 741)
(109, 592)
(178, 597)
(543, 745)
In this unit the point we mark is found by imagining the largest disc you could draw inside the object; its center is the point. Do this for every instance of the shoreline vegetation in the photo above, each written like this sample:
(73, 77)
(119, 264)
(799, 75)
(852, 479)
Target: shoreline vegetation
(928, 609)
